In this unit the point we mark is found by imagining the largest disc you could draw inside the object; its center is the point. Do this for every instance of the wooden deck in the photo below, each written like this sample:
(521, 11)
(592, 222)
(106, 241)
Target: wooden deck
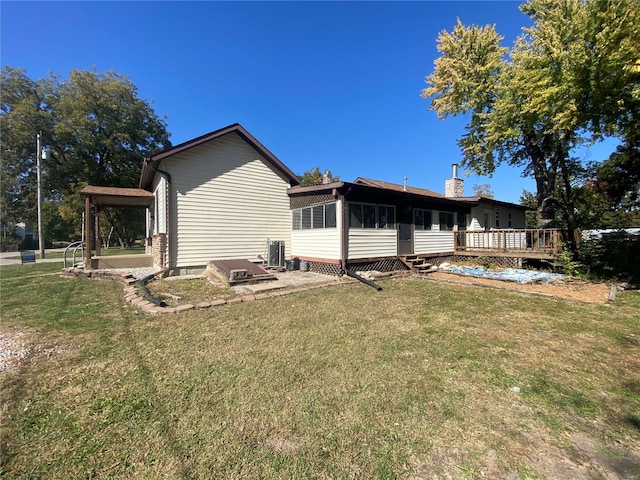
(529, 243)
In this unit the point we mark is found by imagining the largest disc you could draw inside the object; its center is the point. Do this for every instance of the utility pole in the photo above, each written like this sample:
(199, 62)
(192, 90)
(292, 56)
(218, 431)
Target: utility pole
(39, 155)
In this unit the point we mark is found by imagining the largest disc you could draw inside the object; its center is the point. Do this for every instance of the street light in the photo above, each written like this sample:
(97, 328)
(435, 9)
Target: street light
(42, 153)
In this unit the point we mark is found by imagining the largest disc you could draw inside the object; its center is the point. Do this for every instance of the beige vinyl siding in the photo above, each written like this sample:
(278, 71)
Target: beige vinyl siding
(477, 218)
(229, 201)
(160, 205)
(491, 239)
(318, 242)
(517, 218)
(371, 243)
(427, 242)
(475, 224)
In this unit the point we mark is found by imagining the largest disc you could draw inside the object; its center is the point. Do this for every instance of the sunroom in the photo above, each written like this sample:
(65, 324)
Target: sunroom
(343, 225)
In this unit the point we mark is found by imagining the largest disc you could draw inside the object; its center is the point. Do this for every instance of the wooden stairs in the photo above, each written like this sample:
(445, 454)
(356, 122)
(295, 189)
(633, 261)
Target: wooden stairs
(418, 265)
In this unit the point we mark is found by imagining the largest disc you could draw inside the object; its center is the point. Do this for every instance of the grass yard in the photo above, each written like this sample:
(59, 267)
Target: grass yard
(422, 380)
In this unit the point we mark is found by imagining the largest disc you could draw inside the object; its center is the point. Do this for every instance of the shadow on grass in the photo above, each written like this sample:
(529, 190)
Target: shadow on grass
(164, 426)
(633, 420)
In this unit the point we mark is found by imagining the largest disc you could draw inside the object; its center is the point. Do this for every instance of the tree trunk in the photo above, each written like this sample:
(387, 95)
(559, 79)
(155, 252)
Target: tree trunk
(545, 176)
(567, 205)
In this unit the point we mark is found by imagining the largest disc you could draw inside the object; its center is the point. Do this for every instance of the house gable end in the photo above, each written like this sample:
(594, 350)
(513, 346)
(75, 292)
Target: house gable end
(151, 165)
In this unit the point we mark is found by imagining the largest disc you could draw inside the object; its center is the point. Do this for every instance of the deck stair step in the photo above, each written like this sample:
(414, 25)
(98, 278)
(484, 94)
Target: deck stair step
(423, 266)
(409, 260)
(417, 264)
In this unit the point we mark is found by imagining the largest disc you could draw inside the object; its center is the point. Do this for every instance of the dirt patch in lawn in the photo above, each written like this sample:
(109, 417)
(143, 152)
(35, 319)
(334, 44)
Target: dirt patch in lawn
(20, 348)
(567, 288)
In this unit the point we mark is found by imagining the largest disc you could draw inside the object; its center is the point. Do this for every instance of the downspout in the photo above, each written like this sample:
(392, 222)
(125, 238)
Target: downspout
(353, 274)
(167, 177)
(345, 233)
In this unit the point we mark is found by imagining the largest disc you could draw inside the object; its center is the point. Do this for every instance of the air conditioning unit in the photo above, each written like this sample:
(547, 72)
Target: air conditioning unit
(275, 253)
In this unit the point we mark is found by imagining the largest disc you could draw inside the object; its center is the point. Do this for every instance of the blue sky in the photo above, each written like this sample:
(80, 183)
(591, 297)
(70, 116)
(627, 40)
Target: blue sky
(328, 84)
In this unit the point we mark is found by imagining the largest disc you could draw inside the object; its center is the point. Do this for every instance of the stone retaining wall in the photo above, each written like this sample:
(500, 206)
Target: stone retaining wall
(135, 297)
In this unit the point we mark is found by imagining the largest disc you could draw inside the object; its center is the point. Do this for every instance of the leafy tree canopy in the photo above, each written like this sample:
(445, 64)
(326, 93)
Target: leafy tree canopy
(96, 126)
(610, 196)
(570, 79)
(314, 176)
(483, 190)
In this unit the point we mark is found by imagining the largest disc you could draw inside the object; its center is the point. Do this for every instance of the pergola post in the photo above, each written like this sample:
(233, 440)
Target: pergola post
(104, 197)
(97, 232)
(87, 232)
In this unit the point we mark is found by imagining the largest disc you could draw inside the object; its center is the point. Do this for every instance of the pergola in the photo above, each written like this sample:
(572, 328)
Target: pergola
(101, 197)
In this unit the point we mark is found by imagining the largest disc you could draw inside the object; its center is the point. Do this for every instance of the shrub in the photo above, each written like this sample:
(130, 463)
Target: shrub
(612, 255)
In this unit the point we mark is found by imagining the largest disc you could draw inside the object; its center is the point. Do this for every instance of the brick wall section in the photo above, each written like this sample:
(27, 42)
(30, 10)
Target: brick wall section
(159, 249)
(453, 187)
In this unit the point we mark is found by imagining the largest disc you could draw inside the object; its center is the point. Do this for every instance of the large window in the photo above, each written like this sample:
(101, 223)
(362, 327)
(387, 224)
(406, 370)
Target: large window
(422, 219)
(296, 222)
(446, 221)
(330, 215)
(386, 217)
(497, 219)
(318, 216)
(365, 215)
(462, 221)
(369, 216)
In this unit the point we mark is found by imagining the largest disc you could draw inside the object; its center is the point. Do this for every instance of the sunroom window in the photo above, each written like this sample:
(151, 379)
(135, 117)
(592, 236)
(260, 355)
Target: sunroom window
(446, 221)
(422, 219)
(386, 217)
(462, 221)
(317, 216)
(365, 215)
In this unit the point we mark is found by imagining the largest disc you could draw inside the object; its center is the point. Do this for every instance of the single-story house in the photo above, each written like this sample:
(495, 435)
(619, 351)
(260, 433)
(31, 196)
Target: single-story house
(224, 195)
(373, 224)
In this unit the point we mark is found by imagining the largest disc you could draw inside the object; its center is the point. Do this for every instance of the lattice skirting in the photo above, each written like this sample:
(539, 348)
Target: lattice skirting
(381, 265)
(325, 268)
(394, 264)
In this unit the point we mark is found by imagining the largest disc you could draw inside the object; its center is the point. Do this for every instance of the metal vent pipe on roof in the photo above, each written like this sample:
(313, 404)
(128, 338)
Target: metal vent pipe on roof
(404, 187)
(454, 170)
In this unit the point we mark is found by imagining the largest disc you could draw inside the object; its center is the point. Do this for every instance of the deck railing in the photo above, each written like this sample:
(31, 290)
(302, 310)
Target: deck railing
(547, 241)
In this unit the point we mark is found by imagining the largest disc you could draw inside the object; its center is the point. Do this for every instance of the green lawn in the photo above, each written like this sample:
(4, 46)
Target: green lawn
(421, 380)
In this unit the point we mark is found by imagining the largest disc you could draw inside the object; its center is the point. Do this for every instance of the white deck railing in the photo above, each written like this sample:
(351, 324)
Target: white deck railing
(538, 241)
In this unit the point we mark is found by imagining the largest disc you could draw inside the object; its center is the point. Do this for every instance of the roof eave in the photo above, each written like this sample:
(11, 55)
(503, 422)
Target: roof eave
(315, 188)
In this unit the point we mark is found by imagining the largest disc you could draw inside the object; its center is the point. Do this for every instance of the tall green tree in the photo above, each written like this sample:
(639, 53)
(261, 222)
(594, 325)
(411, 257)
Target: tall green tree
(570, 79)
(24, 112)
(610, 195)
(528, 199)
(314, 176)
(98, 130)
(483, 190)
(618, 178)
(103, 130)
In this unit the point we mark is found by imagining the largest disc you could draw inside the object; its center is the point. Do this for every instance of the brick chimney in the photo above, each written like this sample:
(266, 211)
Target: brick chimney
(454, 186)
